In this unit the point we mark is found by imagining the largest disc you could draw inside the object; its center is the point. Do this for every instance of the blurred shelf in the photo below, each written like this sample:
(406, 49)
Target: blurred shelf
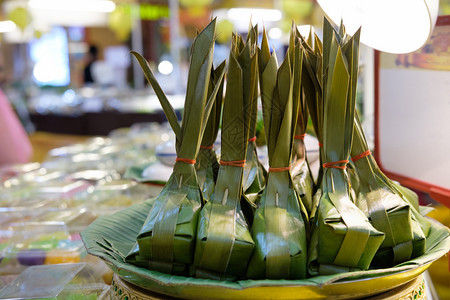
(100, 123)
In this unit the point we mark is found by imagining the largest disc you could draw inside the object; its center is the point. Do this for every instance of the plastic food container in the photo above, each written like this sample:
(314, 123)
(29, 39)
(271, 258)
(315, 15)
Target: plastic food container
(38, 244)
(54, 282)
(8, 171)
(121, 193)
(95, 176)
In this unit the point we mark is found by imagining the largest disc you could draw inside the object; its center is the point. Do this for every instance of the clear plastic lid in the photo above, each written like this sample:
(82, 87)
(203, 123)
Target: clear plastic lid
(41, 281)
(121, 193)
(95, 176)
(37, 244)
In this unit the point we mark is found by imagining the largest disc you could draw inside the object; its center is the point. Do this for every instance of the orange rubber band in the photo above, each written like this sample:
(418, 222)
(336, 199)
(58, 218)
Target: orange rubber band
(300, 137)
(334, 163)
(186, 160)
(252, 139)
(320, 144)
(281, 169)
(234, 163)
(207, 147)
(359, 156)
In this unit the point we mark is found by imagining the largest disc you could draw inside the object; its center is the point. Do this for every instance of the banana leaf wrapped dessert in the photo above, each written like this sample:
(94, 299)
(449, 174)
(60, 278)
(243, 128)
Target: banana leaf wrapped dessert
(167, 237)
(254, 172)
(207, 165)
(312, 92)
(224, 243)
(343, 238)
(301, 173)
(279, 225)
(386, 209)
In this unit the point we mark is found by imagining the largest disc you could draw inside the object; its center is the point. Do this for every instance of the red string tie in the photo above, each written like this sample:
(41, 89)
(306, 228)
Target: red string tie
(280, 169)
(234, 163)
(362, 155)
(300, 137)
(207, 147)
(186, 160)
(252, 139)
(334, 164)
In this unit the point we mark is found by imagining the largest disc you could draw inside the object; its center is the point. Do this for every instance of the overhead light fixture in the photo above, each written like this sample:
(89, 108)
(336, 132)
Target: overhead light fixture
(7, 26)
(104, 6)
(396, 26)
(255, 14)
(165, 67)
(275, 33)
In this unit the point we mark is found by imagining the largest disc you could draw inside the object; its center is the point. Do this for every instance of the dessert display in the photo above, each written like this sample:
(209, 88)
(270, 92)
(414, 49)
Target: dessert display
(287, 234)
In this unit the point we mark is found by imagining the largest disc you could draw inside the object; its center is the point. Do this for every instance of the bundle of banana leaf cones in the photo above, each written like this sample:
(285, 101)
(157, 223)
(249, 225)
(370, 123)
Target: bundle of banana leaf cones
(226, 217)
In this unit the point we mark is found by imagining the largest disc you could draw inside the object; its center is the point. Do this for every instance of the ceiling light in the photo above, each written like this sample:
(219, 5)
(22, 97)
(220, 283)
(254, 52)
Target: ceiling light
(255, 14)
(7, 26)
(165, 67)
(74, 5)
(275, 33)
(396, 26)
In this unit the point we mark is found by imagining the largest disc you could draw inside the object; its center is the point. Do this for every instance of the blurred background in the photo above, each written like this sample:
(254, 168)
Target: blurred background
(68, 61)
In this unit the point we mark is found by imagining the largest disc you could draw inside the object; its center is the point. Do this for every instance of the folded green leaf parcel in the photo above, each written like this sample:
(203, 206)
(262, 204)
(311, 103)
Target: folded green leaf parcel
(312, 94)
(343, 238)
(386, 209)
(301, 172)
(167, 237)
(279, 226)
(254, 172)
(207, 165)
(224, 243)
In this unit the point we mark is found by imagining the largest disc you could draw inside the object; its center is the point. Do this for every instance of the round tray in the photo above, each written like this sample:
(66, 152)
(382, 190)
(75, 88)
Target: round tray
(111, 238)
(414, 289)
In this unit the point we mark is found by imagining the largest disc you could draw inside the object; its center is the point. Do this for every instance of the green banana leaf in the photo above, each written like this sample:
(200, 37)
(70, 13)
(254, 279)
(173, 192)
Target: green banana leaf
(279, 227)
(207, 165)
(301, 174)
(312, 91)
(406, 194)
(254, 173)
(355, 183)
(303, 184)
(167, 237)
(386, 209)
(343, 238)
(224, 243)
(207, 168)
(110, 239)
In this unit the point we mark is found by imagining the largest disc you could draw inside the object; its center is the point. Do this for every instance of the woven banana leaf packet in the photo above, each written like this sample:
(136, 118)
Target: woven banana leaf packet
(343, 238)
(254, 172)
(301, 172)
(207, 165)
(312, 93)
(386, 208)
(166, 240)
(279, 227)
(224, 242)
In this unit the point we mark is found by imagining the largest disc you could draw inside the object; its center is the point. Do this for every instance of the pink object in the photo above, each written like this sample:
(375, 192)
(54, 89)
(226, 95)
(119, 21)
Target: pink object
(15, 147)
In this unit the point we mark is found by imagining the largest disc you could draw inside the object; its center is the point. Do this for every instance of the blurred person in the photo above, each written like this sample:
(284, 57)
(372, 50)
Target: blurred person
(15, 144)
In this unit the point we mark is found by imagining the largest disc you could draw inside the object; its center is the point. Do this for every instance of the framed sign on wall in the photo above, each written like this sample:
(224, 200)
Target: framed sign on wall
(412, 115)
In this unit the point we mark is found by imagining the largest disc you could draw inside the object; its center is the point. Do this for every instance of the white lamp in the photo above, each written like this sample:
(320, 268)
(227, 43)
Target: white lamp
(395, 26)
